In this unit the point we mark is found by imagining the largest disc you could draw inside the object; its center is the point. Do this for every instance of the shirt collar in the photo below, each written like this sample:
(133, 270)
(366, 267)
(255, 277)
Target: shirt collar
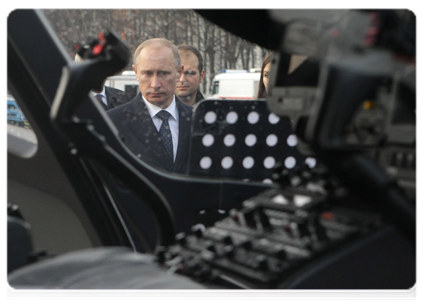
(153, 109)
(103, 92)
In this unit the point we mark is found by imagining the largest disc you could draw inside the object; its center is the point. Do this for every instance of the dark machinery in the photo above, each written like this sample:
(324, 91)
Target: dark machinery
(347, 224)
(353, 104)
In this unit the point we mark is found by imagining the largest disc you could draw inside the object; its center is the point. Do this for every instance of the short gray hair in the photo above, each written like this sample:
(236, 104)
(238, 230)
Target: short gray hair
(164, 42)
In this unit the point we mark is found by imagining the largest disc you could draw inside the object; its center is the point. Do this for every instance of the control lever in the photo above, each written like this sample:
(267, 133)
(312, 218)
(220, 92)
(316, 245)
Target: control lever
(107, 56)
(318, 232)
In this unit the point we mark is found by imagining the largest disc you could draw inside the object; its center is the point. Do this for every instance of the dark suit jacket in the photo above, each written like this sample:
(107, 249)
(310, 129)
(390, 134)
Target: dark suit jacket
(115, 98)
(141, 136)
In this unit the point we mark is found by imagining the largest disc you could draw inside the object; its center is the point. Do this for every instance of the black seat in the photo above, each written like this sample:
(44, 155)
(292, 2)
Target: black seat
(99, 268)
(19, 243)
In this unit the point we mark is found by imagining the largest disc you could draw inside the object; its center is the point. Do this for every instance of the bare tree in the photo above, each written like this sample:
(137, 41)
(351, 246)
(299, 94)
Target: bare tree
(220, 49)
(231, 47)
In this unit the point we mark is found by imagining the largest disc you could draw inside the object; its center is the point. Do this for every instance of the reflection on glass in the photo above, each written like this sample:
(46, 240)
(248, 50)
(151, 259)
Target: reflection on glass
(21, 139)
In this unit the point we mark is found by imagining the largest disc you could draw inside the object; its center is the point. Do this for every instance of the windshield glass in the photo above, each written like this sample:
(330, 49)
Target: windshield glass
(186, 141)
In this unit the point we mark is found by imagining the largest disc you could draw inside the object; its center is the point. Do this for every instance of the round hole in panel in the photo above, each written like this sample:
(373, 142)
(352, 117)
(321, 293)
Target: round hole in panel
(208, 140)
(229, 140)
(273, 119)
(210, 117)
(205, 162)
(231, 117)
(227, 162)
(269, 162)
(250, 140)
(267, 180)
(271, 140)
(292, 140)
(253, 117)
(311, 162)
(248, 162)
(290, 162)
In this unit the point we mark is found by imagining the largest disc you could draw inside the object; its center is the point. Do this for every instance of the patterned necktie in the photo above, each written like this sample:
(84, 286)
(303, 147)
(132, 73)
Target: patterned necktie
(165, 131)
(100, 99)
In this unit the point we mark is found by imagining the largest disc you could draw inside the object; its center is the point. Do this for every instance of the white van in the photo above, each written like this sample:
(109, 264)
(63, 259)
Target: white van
(235, 84)
(126, 82)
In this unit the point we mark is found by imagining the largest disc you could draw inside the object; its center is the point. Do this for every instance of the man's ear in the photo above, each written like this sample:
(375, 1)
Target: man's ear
(135, 70)
(202, 75)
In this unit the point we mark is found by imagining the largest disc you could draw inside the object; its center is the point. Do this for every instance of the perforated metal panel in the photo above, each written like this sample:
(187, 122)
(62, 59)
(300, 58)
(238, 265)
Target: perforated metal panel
(240, 139)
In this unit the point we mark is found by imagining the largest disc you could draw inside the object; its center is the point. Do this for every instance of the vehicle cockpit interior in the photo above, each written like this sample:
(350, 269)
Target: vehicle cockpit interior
(326, 198)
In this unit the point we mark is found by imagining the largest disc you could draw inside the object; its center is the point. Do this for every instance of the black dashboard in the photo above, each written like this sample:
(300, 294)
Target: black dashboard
(347, 223)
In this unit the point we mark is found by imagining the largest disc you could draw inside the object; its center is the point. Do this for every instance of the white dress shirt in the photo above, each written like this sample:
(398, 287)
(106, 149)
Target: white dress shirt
(173, 120)
(103, 95)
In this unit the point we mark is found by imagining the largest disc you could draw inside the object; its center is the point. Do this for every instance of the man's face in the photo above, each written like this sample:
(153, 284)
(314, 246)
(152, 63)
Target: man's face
(191, 77)
(157, 74)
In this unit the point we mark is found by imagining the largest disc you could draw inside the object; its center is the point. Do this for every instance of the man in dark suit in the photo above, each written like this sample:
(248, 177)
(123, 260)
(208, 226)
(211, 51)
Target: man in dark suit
(109, 97)
(156, 124)
(188, 88)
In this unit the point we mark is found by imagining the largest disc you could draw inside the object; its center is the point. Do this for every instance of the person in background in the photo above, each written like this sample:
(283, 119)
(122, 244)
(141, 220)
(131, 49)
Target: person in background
(264, 77)
(156, 124)
(294, 60)
(187, 88)
(108, 97)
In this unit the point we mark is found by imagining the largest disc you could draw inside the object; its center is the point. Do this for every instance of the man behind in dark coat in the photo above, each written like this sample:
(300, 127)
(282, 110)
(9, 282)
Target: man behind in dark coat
(156, 124)
(188, 85)
(108, 97)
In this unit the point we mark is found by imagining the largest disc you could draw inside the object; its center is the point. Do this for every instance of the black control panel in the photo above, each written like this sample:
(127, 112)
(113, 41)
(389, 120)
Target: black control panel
(268, 240)
(400, 163)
